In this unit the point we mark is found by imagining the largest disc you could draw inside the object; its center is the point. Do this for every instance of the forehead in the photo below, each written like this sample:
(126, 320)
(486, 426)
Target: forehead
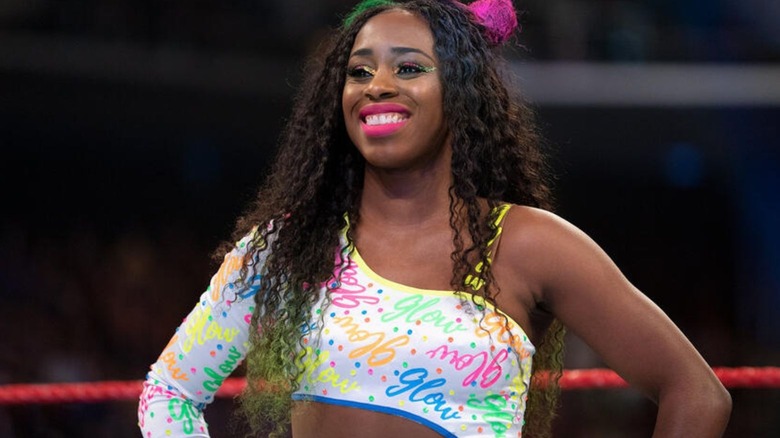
(395, 28)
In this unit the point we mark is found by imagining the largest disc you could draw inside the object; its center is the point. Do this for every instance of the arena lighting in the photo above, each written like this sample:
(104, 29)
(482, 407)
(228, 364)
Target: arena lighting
(649, 85)
(573, 379)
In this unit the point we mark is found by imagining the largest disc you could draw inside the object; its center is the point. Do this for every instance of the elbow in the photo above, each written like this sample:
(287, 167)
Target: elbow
(722, 402)
(717, 398)
(714, 401)
(719, 406)
(704, 405)
(715, 405)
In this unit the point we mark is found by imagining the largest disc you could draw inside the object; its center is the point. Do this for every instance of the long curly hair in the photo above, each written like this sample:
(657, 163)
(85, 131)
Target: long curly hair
(314, 187)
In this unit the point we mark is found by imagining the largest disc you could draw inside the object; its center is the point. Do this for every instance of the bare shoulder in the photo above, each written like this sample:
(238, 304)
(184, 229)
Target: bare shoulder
(533, 226)
(540, 233)
(547, 250)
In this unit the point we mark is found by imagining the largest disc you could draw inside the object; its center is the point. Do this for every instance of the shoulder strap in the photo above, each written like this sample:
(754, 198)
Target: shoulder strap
(498, 224)
(474, 280)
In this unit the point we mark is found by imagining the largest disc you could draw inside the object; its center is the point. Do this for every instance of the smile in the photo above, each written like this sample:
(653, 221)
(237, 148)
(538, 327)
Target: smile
(385, 119)
(382, 126)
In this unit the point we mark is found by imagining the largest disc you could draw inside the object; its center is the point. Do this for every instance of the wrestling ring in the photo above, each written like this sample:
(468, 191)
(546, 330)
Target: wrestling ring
(572, 379)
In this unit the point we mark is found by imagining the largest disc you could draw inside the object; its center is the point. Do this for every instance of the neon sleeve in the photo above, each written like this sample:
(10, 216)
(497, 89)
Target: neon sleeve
(209, 344)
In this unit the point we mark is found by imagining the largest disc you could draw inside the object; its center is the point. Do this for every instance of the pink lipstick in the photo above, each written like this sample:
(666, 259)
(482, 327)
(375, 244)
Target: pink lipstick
(382, 130)
(384, 119)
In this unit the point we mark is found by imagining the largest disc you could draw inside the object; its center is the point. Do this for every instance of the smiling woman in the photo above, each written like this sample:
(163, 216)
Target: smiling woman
(392, 98)
(400, 273)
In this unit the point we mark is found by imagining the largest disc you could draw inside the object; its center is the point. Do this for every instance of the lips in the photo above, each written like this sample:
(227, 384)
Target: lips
(381, 120)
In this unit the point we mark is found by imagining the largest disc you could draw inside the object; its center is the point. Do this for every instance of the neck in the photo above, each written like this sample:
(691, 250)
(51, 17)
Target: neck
(408, 197)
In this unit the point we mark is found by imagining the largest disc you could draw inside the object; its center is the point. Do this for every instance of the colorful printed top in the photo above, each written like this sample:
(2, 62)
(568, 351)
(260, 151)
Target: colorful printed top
(432, 357)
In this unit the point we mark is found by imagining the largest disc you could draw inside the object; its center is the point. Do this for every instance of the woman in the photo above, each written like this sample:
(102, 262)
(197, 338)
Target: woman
(399, 274)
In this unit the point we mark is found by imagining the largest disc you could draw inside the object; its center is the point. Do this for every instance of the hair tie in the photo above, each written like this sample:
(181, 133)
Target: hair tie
(498, 17)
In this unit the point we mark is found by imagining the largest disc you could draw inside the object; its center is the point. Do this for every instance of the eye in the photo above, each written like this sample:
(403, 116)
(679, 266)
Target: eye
(412, 69)
(360, 72)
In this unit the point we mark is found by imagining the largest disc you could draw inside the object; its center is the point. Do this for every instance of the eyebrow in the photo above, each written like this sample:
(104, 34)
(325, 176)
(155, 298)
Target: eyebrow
(394, 50)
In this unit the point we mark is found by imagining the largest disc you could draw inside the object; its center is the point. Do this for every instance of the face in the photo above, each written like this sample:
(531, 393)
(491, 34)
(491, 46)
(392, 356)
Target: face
(392, 98)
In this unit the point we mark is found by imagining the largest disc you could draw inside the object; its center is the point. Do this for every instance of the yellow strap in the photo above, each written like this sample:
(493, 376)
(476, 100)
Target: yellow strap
(502, 209)
(473, 280)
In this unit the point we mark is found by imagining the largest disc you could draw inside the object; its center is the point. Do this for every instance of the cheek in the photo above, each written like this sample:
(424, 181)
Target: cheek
(348, 102)
(431, 95)
(348, 99)
(435, 100)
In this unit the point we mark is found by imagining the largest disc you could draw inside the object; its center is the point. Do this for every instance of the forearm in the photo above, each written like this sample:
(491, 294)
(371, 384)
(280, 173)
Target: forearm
(693, 411)
(208, 346)
(210, 343)
(164, 411)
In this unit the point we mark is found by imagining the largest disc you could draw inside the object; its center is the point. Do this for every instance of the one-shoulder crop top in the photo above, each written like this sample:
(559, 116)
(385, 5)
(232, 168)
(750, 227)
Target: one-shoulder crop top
(460, 367)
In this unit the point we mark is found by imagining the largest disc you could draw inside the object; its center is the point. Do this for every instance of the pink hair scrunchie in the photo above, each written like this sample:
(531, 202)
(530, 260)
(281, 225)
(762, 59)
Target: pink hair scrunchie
(498, 17)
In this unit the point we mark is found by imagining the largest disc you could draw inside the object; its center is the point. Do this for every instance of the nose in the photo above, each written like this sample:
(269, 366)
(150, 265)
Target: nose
(382, 85)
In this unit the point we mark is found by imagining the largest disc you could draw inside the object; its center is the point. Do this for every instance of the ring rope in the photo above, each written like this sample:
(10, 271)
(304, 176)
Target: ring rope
(573, 379)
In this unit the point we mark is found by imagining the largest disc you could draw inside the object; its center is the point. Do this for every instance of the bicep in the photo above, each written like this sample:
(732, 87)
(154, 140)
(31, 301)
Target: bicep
(583, 288)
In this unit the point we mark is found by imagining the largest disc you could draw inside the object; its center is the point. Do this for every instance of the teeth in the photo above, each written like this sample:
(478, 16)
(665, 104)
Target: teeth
(384, 119)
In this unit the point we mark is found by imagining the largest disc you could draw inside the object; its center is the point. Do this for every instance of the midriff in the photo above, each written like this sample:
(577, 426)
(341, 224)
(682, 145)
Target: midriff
(321, 420)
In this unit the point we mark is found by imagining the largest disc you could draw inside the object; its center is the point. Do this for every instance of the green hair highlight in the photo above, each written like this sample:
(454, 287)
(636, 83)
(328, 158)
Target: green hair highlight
(362, 7)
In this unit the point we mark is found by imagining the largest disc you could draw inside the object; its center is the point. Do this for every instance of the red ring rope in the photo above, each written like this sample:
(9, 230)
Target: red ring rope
(21, 394)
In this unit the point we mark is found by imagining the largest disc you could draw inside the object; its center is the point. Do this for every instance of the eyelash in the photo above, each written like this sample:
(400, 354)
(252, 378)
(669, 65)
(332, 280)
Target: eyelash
(412, 69)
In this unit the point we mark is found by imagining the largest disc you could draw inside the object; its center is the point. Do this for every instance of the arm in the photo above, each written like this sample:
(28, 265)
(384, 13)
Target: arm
(575, 280)
(210, 343)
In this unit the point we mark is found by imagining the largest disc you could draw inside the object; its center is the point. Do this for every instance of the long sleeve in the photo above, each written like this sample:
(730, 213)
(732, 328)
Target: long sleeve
(209, 344)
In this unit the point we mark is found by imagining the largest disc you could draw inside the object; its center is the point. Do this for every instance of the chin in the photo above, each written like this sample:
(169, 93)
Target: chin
(385, 162)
